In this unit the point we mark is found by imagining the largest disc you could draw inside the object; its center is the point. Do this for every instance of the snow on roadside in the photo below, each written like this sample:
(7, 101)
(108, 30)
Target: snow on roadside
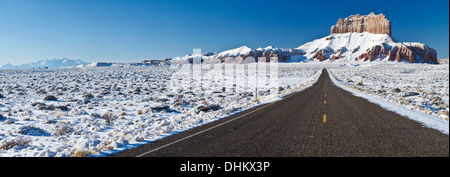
(393, 87)
(100, 111)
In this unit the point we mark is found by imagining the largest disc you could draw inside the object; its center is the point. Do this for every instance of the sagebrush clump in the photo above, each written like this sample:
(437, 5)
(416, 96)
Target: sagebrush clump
(50, 98)
(109, 117)
(19, 141)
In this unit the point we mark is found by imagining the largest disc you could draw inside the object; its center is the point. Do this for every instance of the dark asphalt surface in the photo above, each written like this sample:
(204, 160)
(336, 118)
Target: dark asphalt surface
(321, 121)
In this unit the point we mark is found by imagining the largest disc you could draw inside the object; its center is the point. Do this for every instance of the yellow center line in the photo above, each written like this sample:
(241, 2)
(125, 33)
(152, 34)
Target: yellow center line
(325, 102)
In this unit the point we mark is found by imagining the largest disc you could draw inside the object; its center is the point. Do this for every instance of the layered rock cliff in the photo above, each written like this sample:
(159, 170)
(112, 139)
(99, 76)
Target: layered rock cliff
(376, 24)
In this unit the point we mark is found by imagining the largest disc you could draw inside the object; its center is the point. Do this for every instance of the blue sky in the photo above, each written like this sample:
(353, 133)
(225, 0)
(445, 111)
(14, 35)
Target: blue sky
(133, 30)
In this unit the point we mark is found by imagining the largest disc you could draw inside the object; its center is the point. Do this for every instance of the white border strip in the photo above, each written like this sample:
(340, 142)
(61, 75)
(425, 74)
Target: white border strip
(223, 123)
(200, 132)
(425, 119)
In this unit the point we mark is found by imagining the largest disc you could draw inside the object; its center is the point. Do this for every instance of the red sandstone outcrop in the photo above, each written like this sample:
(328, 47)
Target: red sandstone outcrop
(426, 53)
(399, 52)
(377, 24)
(321, 54)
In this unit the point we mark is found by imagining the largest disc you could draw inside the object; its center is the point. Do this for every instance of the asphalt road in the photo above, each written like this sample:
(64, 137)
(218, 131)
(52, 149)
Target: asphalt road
(321, 121)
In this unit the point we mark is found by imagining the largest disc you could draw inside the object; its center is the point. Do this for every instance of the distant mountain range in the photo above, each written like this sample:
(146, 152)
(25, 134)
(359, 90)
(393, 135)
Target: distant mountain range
(51, 63)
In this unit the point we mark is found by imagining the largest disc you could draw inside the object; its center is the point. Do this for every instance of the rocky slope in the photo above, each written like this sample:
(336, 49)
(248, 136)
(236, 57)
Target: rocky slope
(241, 55)
(410, 52)
(367, 47)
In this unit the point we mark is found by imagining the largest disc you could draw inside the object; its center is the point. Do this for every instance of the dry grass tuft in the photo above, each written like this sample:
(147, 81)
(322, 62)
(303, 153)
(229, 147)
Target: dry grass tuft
(19, 141)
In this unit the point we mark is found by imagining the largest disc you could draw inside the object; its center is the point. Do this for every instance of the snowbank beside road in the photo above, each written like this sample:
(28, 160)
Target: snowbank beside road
(427, 120)
(100, 111)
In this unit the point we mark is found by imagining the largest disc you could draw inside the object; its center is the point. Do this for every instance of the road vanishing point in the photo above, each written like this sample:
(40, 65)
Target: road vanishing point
(320, 121)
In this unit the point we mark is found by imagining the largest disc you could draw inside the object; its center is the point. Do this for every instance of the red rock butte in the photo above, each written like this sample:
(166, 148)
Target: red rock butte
(377, 24)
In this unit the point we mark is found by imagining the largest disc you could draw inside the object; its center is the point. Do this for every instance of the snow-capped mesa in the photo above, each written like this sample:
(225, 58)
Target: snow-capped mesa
(366, 38)
(51, 63)
(367, 47)
(355, 38)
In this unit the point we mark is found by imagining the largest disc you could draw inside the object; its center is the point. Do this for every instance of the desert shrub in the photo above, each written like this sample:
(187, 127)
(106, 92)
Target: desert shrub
(206, 108)
(407, 94)
(50, 98)
(42, 91)
(360, 83)
(256, 100)
(62, 108)
(50, 107)
(31, 130)
(94, 115)
(80, 153)
(137, 90)
(19, 141)
(162, 100)
(160, 108)
(88, 96)
(109, 117)
(37, 104)
(43, 106)
(61, 128)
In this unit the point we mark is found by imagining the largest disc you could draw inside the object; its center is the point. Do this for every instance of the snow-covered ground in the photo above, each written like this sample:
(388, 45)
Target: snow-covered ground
(99, 111)
(422, 88)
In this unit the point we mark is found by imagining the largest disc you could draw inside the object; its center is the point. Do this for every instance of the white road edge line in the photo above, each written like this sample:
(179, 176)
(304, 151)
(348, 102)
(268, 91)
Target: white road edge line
(200, 132)
(424, 119)
(203, 131)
